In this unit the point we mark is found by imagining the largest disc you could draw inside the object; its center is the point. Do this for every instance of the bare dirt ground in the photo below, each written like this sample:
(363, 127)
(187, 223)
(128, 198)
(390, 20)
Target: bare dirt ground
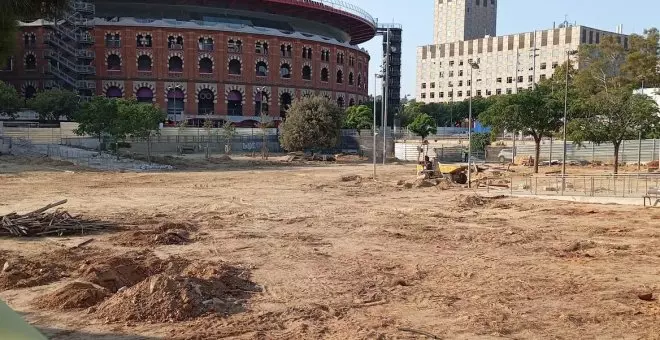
(300, 253)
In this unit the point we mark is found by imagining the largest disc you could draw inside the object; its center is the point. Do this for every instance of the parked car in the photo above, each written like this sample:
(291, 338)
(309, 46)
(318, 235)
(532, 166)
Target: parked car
(505, 155)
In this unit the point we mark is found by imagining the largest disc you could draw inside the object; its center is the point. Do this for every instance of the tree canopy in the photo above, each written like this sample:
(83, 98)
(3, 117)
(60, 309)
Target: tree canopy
(55, 103)
(11, 11)
(9, 100)
(311, 123)
(358, 118)
(606, 110)
(423, 125)
(537, 112)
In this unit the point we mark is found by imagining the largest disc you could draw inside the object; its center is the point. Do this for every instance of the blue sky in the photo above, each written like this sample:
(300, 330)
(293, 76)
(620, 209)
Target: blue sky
(416, 16)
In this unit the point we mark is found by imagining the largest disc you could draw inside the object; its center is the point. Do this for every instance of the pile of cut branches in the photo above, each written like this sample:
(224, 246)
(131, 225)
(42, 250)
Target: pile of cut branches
(40, 223)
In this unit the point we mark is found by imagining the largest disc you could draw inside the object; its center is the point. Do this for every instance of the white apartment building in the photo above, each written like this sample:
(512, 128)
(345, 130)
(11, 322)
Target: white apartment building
(457, 20)
(507, 64)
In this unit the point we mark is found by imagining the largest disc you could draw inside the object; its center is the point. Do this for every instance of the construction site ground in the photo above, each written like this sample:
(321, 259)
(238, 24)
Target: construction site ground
(322, 252)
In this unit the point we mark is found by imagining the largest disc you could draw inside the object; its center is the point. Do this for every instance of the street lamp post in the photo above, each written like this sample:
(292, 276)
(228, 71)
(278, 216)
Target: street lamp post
(473, 66)
(373, 128)
(563, 163)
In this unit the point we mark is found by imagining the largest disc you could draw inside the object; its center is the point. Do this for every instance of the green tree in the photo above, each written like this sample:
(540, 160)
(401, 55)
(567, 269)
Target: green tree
(606, 109)
(97, 117)
(228, 132)
(423, 126)
(11, 11)
(642, 58)
(411, 111)
(141, 121)
(614, 116)
(56, 103)
(480, 141)
(208, 127)
(537, 113)
(9, 100)
(311, 123)
(358, 118)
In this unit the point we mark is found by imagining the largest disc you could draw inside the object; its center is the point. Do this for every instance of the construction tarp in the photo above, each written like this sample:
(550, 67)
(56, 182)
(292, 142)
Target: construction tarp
(13, 327)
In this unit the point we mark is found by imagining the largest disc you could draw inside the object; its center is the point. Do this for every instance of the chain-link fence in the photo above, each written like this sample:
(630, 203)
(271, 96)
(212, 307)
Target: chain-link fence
(622, 185)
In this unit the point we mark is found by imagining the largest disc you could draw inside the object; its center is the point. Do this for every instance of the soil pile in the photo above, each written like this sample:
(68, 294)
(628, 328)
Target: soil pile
(149, 238)
(470, 201)
(73, 295)
(125, 270)
(198, 289)
(21, 272)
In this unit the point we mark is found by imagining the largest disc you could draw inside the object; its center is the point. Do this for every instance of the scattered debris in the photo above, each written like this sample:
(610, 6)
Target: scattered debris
(84, 243)
(646, 296)
(39, 223)
(427, 334)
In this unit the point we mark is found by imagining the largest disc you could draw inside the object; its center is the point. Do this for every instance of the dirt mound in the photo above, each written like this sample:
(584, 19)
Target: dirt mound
(219, 159)
(124, 270)
(187, 226)
(199, 289)
(422, 183)
(147, 238)
(21, 272)
(473, 201)
(73, 295)
(350, 178)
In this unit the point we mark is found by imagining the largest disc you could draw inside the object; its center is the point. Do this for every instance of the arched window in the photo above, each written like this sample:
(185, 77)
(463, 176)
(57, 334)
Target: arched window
(261, 103)
(144, 63)
(340, 77)
(351, 102)
(175, 64)
(285, 71)
(30, 91)
(350, 78)
(285, 103)
(114, 62)
(30, 62)
(307, 72)
(144, 95)
(113, 92)
(340, 102)
(205, 65)
(359, 80)
(234, 103)
(324, 74)
(175, 97)
(262, 69)
(205, 102)
(234, 67)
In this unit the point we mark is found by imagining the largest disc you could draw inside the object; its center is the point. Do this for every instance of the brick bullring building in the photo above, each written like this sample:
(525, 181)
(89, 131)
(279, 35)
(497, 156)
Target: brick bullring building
(200, 59)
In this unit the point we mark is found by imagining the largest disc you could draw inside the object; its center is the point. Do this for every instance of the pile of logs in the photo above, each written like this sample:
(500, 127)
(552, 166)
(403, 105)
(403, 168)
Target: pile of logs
(41, 223)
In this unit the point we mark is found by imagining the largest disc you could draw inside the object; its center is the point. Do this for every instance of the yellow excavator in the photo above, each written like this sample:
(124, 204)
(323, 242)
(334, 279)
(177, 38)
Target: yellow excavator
(431, 169)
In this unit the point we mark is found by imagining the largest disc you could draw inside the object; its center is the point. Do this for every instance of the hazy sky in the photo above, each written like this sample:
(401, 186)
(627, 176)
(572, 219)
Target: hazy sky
(514, 16)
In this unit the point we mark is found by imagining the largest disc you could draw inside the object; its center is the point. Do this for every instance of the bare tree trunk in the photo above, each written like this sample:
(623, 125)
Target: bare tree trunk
(537, 154)
(149, 149)
(617, 145)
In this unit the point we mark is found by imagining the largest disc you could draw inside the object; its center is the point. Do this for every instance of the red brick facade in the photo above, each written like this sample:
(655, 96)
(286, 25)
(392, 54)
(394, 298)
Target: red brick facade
(219, 81)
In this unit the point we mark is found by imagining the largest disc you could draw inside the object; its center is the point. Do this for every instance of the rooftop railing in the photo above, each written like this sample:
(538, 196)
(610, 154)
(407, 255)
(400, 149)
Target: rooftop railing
(336, 5)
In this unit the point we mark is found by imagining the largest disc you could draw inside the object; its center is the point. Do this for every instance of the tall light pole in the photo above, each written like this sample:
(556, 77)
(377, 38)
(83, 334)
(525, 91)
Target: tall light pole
(373, 127)
(386, 85)
(563, 163)
(473, 66)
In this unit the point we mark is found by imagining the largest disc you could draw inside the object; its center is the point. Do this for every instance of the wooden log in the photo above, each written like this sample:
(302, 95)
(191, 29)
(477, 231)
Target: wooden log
(50, 206)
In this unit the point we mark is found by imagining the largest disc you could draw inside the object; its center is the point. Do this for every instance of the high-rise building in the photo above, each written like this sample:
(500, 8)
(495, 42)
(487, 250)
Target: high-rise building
(507, 64)
(457, 20)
